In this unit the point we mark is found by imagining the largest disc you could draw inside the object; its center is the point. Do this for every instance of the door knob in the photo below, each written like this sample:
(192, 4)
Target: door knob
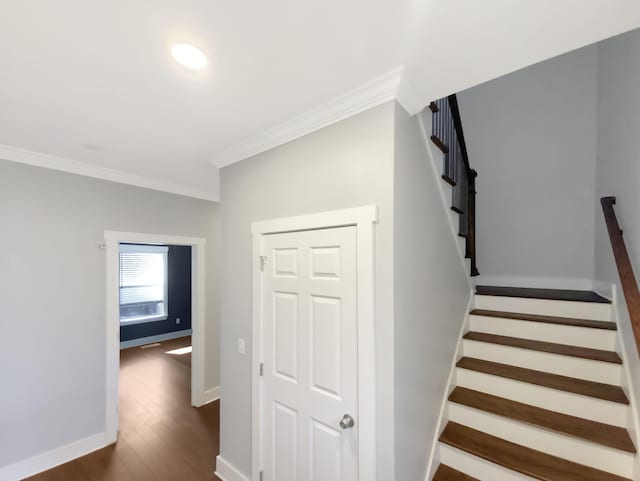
(347, 422)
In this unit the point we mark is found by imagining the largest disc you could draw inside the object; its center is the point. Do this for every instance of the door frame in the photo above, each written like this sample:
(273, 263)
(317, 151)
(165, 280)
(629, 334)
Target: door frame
(113, 239)
(363, 218)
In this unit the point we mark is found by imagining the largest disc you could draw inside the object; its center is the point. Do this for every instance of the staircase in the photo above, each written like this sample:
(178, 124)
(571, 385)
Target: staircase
(538, 392)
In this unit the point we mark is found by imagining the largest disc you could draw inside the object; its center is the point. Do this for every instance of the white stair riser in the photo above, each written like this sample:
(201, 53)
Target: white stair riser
(462, 244)
(477, 467)
(590, 370)
(447, 187)
(455, 219)
(580, 310)
(547, 398)
(556, 444)
(539, 331)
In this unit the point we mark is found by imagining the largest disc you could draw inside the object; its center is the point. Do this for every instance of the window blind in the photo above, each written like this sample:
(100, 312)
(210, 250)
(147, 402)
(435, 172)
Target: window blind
(143, 271)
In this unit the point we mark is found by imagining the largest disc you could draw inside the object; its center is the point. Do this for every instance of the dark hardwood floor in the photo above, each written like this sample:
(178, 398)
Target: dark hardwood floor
(162, 437)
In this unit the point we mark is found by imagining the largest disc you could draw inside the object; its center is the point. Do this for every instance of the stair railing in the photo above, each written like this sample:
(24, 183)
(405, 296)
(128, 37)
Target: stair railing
(448, 136)
(623, 263)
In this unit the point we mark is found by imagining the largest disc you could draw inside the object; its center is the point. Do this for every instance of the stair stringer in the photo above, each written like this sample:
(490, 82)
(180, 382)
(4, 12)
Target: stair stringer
(627, 382)
(436, 159)
(443, 417)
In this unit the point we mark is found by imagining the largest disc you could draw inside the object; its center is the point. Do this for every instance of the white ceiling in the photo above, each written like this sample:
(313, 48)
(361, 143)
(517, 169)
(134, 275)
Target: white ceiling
(90, 87)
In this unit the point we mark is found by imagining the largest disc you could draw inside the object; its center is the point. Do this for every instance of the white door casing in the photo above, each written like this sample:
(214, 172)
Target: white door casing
(113, 239)
(337, 288)
(310, 377)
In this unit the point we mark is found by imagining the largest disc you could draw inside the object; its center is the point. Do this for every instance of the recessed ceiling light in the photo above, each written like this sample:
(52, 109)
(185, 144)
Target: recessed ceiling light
(189, 56)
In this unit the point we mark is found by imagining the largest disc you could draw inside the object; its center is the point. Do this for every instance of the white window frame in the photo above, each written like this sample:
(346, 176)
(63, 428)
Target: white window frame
(155, 249)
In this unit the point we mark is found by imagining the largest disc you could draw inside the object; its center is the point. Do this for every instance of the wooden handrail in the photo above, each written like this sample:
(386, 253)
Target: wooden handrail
(625, 269)
(457, 122)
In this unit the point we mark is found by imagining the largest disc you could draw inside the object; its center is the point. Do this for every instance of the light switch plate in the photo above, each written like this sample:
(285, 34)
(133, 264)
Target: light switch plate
(241, 345)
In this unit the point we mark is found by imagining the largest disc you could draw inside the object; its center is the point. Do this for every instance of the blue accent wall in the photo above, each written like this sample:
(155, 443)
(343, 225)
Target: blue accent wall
(178, 297)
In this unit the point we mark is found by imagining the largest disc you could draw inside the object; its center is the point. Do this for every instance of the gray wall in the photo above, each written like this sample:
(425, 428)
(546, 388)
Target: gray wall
(347, 164)
(618, 167)
(431, 293)
(531, 136)
(52, 293)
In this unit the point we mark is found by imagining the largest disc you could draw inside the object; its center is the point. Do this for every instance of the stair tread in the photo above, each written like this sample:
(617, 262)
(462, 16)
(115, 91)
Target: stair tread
(445, 473)
(550, 347)
(596, 432)
(583, 387)
(548, 294)
(567, 321)
(521, 459)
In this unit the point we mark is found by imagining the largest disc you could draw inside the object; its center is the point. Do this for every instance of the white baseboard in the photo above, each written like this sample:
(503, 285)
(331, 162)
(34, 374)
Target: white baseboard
(51, 459)
(227, 472)
(211, 395)
(605, 289)
(537, 282)
(151, 339)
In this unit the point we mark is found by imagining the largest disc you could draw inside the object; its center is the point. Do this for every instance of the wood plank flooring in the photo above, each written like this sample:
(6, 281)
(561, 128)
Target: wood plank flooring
(162, 437)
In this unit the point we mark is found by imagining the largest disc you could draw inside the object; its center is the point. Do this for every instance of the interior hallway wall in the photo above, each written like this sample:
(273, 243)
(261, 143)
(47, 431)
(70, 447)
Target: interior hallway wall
(531, 135)
(618, 169)
(347, 164)
(431, 294)
(52, 291)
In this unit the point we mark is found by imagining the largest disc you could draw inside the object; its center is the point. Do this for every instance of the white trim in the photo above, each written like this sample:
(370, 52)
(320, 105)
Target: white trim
(23, 156)
(227, 472)
(628, 383)
(443, 417)
(605, 289)
(371, 94)
(55, 457)
(211, 395)
(141, 341)
(425, 126)
(198, 324)
(537, 282)
(363, 218)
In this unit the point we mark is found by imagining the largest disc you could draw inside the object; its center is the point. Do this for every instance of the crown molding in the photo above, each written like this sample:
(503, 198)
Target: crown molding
(388, 86)
(62, 164)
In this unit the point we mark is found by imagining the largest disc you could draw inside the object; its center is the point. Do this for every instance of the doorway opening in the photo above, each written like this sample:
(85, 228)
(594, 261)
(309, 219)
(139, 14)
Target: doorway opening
(138, 303)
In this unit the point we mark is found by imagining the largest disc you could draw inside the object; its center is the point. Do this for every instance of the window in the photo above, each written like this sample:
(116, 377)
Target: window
(143, 283)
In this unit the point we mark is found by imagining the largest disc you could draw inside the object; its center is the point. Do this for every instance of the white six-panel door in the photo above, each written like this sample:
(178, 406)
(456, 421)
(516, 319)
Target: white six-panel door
(310, 380)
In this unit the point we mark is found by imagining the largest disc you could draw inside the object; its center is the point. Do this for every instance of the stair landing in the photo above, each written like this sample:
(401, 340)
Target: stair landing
(547, 294)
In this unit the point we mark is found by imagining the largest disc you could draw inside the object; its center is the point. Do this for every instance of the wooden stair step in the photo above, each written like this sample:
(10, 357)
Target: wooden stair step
(440, 144)
(583, 387)
(547, 294)
(593, 431)
(445, 473)
(521, 459)
(550, 347)
(564, 321)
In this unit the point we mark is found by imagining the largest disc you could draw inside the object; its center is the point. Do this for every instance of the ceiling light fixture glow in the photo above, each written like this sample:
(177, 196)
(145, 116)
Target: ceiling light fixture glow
(189, 56)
